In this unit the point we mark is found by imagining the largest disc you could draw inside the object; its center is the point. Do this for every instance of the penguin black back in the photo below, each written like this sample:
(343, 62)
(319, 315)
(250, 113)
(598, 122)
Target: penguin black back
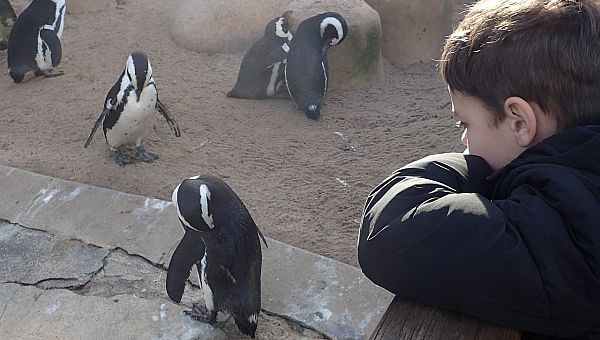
(229, 256)
(307, 68)
(41, 20)
(261, 70)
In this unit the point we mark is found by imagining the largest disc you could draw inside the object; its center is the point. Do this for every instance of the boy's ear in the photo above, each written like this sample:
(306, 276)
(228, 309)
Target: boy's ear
(522, 119)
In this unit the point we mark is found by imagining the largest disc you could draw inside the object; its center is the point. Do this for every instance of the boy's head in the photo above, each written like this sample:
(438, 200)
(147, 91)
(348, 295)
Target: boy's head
(544, 52)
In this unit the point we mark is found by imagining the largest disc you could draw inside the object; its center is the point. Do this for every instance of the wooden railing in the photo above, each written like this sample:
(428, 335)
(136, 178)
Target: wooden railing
(406, 320)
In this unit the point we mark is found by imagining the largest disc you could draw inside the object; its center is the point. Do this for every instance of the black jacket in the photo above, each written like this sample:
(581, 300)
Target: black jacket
(519, 247)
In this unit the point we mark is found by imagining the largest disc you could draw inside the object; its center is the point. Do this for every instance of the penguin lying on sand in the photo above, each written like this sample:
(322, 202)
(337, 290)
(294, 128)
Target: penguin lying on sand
(222, 240)
(261, 72)
(306, 70)
(34, 42)
(127, 107)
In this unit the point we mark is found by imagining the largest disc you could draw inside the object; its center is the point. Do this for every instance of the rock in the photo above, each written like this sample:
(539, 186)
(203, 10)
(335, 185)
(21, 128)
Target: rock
(356, 62)
(413, 31)
(84, 6)
(7, 18)
(230, 26)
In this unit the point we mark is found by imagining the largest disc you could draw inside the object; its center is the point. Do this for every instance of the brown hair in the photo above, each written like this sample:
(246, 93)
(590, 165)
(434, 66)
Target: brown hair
(544, 51)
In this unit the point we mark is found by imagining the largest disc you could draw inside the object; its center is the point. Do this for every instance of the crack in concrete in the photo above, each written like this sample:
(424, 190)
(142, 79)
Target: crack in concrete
(38, 283)
(5, 306)
(295, 323)
(25, 227)
(141, 257)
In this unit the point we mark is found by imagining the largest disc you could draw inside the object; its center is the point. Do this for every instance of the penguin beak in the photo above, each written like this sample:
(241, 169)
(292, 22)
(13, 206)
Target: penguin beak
(138, 91)
(189, 251)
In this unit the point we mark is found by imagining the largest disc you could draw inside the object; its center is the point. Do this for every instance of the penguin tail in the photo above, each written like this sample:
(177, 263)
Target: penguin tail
(313, 111)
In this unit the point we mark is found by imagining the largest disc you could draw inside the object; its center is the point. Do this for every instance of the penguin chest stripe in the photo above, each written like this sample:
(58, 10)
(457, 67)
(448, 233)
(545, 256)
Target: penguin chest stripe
(325, 76)
(208, 295)
(271, 88)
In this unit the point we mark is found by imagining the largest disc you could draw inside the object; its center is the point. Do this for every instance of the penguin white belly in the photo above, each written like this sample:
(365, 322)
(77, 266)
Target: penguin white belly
(133, 122)
(208, 295)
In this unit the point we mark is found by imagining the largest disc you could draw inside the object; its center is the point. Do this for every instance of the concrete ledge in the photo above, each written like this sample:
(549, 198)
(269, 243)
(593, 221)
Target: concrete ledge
(332, 297)
(54, 312)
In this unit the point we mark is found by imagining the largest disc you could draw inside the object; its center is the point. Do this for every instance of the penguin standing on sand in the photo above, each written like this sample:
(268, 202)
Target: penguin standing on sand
(261, 72)
(127, 108)
(222, 240)
(34, 42)
(306, 70)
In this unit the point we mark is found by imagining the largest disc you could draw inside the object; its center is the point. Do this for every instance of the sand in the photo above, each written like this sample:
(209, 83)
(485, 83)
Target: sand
(304, 182)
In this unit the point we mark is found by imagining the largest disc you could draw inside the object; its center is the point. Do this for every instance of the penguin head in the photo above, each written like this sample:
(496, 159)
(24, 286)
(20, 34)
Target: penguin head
(246, 323)
(138, 71)
(333, 28)
(192, 199)
(280, 26)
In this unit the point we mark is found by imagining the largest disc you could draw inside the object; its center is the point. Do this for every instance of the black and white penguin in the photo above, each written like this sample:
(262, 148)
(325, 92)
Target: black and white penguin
(34, 42)
(261, 72)
(306, 70)
(222, 240)
(127, 108)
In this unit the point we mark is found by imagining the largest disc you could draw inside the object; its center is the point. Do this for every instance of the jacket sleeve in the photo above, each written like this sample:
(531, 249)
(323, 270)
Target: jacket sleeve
(430, 234)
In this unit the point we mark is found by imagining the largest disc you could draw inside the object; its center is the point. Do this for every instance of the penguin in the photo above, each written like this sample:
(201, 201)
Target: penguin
(261, 72)
(307, 70)
(222, 240)
(127, 107)
(34, 46)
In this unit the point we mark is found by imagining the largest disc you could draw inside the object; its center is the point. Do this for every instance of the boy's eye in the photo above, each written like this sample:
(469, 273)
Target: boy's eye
(460, 124)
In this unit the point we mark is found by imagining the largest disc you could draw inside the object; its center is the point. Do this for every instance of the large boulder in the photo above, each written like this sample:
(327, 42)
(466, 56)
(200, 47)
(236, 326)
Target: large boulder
(83, 6)
(413, 31)
(228, 26)
(356, 62)
(7, 18)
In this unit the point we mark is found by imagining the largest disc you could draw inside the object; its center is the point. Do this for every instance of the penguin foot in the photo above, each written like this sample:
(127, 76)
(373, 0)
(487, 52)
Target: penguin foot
(52, 73)
(200, 313)
(144, 156)
(123, 159)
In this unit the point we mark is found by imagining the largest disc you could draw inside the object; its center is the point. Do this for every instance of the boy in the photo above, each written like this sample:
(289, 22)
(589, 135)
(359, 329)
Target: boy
(508, 231)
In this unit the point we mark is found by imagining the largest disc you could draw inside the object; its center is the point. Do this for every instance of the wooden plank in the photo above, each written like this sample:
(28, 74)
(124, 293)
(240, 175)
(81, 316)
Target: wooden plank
(406, 320)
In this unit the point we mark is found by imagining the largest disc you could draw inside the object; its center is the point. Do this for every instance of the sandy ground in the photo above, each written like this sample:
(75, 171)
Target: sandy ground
(304, 182)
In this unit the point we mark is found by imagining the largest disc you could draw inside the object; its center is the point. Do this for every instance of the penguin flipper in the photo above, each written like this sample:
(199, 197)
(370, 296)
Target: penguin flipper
(52, 40)
(168, 117)
(98, 122)
(189, 251)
